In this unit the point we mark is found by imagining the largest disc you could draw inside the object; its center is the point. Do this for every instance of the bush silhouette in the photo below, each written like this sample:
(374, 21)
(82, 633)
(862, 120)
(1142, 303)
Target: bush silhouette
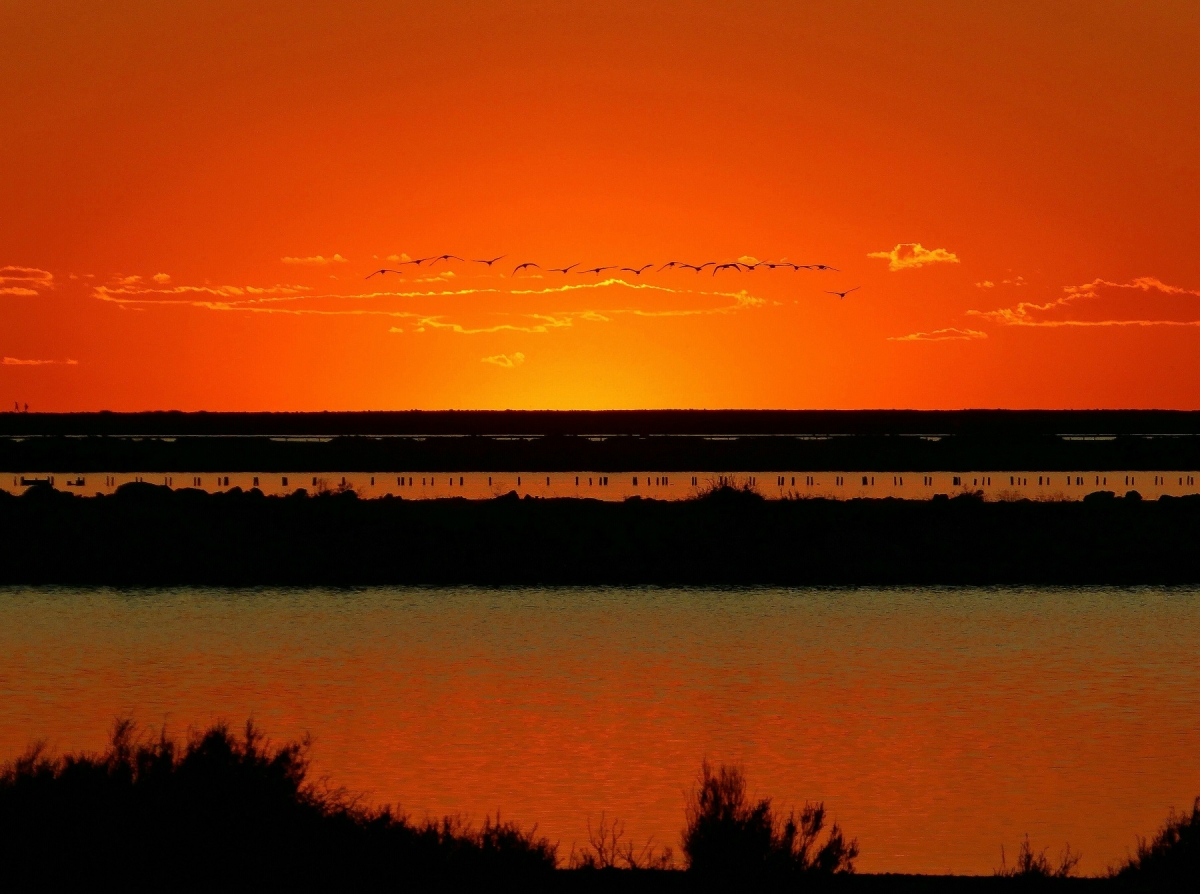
(731, 837)
(222, 810)
(1171, 860)
(1031, 865)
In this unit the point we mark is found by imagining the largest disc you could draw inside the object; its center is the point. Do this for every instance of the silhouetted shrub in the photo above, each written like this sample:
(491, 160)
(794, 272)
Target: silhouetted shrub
(1171, 860)
(223, 810)
(1100, 496)
(1031, 865)
(607, 851)
(730, 495)
(730, 837)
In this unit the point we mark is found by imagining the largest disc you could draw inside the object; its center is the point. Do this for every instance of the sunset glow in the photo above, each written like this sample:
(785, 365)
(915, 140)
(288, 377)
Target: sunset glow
(195, 196)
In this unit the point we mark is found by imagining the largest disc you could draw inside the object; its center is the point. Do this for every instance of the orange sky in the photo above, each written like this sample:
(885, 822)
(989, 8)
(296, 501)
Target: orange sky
(1043, 155)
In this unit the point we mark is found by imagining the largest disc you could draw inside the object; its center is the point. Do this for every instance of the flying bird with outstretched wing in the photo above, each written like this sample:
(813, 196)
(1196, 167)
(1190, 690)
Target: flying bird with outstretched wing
(599, 270)
(381, 270)
(566, 269)
(668, 266)
(843, 294)
(491, 262)
(735, 266)
(521, 267)
(636, 271)
(444, 258)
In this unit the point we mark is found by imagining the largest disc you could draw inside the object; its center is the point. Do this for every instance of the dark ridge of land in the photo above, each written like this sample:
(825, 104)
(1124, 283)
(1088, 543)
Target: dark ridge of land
(603, 441)
(612, 422)
(148, 535)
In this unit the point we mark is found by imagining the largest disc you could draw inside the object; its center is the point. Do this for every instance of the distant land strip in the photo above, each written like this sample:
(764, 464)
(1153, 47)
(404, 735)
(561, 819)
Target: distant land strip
(148, 535)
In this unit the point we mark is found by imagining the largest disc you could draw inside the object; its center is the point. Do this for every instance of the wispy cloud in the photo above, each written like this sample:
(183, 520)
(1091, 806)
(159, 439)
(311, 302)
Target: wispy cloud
(1064, 311)
(286, 300)
(315, 260)
(910, 255)
(25, 281)
(15, 361)
(161, 278)
(949, 334)
(131, 291)
(507, 361)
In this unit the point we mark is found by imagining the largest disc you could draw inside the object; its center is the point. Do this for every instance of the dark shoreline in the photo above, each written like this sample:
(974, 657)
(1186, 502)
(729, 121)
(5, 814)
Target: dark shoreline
(145, 535)
(604, 441)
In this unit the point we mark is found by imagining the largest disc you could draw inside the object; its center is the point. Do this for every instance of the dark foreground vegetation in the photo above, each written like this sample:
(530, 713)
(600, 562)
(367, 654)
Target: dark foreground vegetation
(149, 535)
(224, 811)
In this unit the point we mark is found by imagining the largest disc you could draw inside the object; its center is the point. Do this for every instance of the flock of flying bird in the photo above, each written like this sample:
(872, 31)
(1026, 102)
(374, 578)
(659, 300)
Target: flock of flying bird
(736, 266)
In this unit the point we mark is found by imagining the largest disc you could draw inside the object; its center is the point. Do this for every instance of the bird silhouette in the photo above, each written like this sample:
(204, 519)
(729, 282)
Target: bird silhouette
(843, 294)
(735, 266)
(599, 270)
(822, 267)
(521, 267)
(771, 266)
(563, 269)
(491, 262)
(377, 272)
(698, 268)
(445, 258)
(668, 265)
(751, 267)
(638, 271)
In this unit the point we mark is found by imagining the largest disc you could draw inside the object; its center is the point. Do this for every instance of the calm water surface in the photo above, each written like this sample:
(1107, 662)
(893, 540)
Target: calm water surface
(935, 724)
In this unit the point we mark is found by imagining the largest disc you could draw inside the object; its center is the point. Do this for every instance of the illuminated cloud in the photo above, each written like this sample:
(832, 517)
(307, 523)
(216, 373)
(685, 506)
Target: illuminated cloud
(315, 260)
(14, 361)
(949, 334)
(910, 255)
(400, 257)
(504, 360)
(298, 301)
(1091, 305)
(161, 278)
(986, 284)
(26, 281)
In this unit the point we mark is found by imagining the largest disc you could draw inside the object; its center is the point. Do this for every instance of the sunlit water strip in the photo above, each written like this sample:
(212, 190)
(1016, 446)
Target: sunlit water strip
(936, 724)
(1009, 485)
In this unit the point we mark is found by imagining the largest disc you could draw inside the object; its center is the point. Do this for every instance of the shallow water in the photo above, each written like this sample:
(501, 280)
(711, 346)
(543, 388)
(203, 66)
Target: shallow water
(845, 485)
(937, 725)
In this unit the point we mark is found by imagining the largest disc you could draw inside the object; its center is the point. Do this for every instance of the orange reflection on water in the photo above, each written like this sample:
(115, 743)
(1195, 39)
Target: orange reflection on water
(936, 724)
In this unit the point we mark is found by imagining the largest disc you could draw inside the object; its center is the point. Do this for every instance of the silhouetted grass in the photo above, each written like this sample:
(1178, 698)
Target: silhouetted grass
(730, 837)
(1170, 861)
(607, 851)
(227, 811)
(1032, 864)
